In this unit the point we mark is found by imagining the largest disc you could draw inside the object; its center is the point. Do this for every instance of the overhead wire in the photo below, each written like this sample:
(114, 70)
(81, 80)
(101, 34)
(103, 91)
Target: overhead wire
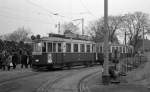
(22, 19)
(13, 10)
(87, 9)
(47, 10)
(36, 5)
(13, 14)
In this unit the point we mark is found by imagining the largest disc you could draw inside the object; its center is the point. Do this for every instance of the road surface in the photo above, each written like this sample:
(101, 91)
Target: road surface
(45, 81)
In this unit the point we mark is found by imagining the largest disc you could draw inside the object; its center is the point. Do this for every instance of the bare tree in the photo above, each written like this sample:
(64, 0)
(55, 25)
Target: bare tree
(21, 34)
(97, 32)
(69, 28)
(135, 24)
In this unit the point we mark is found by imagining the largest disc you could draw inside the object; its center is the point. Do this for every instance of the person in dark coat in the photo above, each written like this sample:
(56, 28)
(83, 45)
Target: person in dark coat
(14, 60)
(24, 60)
(112, 72)
(0, 60)
(9, 61)
(30, 60)
(3, 59)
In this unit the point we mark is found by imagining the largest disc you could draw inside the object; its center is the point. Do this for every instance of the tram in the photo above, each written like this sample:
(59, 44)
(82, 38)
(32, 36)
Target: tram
(115, 51)
(67, 51)
(62, 51)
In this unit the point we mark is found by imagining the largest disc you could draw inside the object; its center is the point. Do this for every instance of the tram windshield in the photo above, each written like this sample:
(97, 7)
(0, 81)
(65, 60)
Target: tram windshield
(37, 47)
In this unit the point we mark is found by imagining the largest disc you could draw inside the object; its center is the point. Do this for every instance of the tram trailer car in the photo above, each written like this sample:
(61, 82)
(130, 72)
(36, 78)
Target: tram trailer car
(61, 51)
(122, 51)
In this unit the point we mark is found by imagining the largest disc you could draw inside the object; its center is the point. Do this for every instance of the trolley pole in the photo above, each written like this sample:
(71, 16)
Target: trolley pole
(82, 26)
(58, 27)
(105, 74)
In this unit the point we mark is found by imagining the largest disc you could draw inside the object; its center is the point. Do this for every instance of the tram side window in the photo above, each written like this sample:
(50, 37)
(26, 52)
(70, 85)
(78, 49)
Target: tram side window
(44, 47)
(93, 48)
(82, 48)
(59, 47)
(49, 47)
(120, 49)
(117, 48)
(101, 49)
(123, 49)
(68, 47)
(126, 50)
(75, 47)
(88, 48)
(54, 47)
(113, 49)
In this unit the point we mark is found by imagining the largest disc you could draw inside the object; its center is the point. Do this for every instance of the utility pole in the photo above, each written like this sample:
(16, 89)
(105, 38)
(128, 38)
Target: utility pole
(105, 74)
(125, 39)
(143, 40)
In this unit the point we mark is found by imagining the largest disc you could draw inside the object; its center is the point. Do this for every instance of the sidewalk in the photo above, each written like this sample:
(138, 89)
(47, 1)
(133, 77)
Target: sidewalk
(136, 81)
(94, 84)
(14, 73)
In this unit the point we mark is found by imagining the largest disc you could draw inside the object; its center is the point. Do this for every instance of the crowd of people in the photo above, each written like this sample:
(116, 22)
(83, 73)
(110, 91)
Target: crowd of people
(13, 54)
(12, 59)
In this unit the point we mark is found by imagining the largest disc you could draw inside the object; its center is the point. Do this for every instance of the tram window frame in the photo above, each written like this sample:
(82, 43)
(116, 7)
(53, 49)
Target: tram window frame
(68, 47)
(54, 47)
(113, 49)
(120, 49)
(44, 47)
(117, 48)
(88, 48)
(37, 47)
(75, 47)
(50, 47)
(101, 49)
(124, 50)
(93, 48)
(82, 47)
(59, 47)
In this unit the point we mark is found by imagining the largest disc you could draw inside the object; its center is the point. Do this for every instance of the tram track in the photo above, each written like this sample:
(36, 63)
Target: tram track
(81, 84)
(18, 77)
(48, 85)
(48, 81)
(29, 74)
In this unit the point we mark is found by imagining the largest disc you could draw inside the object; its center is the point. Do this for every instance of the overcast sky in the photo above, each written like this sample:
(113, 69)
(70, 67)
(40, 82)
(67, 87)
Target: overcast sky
(38, 15)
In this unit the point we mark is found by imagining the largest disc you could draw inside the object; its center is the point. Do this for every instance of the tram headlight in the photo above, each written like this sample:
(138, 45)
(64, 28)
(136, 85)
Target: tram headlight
(49, 58)
(37, 60)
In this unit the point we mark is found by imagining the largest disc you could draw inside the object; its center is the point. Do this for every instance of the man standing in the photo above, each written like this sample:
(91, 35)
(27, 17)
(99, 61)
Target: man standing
(14, 60)
(3, 60)
(24, 60)
(9, 61)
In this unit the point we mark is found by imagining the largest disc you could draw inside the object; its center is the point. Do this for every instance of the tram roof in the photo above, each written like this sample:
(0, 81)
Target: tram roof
(113, 44)
(62, 39)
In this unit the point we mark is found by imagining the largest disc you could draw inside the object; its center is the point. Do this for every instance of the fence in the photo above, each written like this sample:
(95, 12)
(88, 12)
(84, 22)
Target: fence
(129, 63)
